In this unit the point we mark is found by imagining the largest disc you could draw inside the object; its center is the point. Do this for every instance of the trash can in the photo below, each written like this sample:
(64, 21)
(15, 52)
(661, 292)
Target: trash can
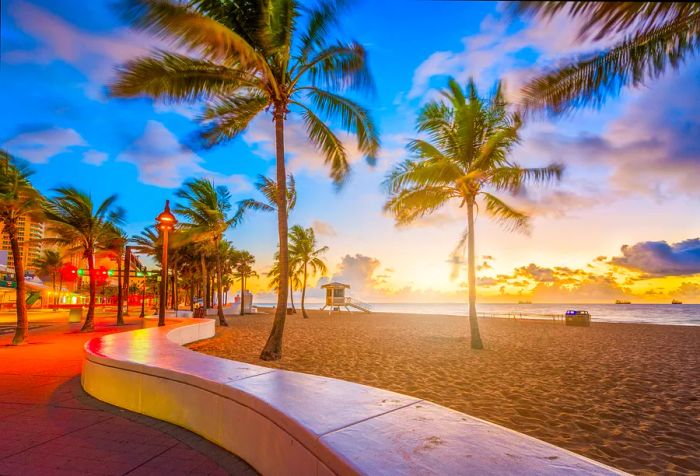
(75, 315)
(578, 318)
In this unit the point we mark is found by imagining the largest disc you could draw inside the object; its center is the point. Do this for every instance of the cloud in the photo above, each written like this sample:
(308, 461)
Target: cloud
(358, 271)
(494, 52)
(94, 157)
(39, 146)
(658, 258)
(537, 273)
(323, 228)
(162, 161)
(93, 54)
(486, 281)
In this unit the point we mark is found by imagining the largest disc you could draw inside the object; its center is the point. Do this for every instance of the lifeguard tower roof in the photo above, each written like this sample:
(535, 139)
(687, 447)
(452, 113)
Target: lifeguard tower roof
(335, 285)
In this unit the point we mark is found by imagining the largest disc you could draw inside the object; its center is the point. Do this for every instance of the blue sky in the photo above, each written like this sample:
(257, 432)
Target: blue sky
(631, 179)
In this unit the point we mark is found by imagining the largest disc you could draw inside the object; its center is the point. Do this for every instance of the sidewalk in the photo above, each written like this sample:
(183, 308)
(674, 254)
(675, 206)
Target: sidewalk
(51, 426)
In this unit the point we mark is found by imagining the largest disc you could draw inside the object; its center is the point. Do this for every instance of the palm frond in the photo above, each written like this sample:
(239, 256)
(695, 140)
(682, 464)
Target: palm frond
(510, 218)
(326, 142)
(590, 80)
(226, 117)
(412, 203)
(187, 28)
(353, 118)
(174, 77)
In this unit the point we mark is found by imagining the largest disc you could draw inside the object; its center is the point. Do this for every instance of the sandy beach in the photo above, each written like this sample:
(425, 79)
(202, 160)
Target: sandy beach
(624, 394)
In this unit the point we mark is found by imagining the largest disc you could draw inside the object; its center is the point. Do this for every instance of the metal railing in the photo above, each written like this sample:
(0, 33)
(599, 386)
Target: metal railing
(357, 303)
(522, 315)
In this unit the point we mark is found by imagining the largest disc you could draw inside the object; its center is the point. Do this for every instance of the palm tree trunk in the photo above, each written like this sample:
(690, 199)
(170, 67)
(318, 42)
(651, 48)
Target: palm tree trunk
(242, 295)
(471, 272)
(120, 295)
(303, 294)
(89, 324)
(291, 298)
(219, 287)
(175, 296)
(273, 346)
(192, 285)
(53, 286)
(203, 265)
(22, 328)
(60, 291)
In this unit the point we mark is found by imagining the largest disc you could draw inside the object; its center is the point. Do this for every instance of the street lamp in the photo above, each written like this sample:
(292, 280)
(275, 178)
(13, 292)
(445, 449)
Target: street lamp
(143, 293)
(165, 222)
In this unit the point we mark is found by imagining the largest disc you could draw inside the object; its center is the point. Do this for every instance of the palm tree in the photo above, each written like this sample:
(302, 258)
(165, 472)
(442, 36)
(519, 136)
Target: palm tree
(205, 210)
(115, 244)
(304, 254)
(76, 224)
(243, 269)
(268, 188)
(465, 157)
(49, 264)
(18, 200)
(658, 35)
(293, 278)
(272, 55)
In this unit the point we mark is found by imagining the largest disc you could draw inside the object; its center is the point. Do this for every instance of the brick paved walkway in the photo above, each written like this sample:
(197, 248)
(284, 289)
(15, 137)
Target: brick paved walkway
(50, 426)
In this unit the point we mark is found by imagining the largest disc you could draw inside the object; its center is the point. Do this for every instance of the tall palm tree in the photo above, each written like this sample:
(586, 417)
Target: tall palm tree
(247, 59)
(304, 254)
(115, 244)
(205, 209)
(657, 35)
(18, 200)
(79, 226)
(243, 269)
(49, 264)
(465, 157)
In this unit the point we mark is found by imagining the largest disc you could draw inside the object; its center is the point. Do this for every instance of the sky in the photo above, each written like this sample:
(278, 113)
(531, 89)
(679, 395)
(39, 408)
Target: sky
(623, 223)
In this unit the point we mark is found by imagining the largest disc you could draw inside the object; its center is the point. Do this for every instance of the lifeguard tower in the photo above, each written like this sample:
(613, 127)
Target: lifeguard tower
(336, 298)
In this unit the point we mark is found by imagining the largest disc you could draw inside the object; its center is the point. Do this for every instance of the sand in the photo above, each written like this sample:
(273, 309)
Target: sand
(624, 394)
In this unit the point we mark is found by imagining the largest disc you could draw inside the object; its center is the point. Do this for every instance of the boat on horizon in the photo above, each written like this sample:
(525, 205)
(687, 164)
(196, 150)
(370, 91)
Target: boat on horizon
(617, 301)
(676, 301)
(524, 302)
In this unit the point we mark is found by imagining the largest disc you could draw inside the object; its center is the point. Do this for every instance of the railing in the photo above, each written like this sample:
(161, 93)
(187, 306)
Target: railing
(522, 315)
(357, 303)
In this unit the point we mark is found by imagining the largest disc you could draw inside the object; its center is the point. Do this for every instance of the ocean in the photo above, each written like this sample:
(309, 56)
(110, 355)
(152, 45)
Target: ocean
(676, 314)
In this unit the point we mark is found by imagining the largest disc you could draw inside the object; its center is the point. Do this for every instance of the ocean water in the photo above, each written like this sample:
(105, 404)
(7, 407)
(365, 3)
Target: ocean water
(676, 314)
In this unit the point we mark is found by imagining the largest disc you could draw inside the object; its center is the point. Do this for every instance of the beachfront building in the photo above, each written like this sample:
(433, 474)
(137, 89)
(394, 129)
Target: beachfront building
(336, 298)
(30, 234)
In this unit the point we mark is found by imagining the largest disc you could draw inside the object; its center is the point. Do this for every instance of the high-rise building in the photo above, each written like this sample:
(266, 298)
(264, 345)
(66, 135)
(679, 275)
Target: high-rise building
(30, 234)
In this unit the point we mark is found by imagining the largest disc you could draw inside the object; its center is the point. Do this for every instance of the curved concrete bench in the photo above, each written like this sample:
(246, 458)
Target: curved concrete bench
(284, 422)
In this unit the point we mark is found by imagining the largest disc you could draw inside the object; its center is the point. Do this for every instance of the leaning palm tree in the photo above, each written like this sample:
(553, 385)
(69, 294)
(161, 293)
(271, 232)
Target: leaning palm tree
(49, 264)
(657, 36)
(18, 200)
(115, 244)
(243, 60)
(76, 224)
(304, 255)
(205, 210)
(464, 157)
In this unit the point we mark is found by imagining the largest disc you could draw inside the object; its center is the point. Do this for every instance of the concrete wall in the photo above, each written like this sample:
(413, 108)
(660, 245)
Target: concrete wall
(289, 423)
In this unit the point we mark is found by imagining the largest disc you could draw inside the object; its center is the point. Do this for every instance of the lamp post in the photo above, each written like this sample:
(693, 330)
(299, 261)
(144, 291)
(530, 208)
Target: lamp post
(143, 293)
(165, 222)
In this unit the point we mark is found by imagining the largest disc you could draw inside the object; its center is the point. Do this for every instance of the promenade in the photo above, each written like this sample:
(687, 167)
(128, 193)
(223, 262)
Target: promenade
(50, 426)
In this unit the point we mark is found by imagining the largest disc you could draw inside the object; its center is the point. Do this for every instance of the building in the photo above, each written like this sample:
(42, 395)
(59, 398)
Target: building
(30, 234)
